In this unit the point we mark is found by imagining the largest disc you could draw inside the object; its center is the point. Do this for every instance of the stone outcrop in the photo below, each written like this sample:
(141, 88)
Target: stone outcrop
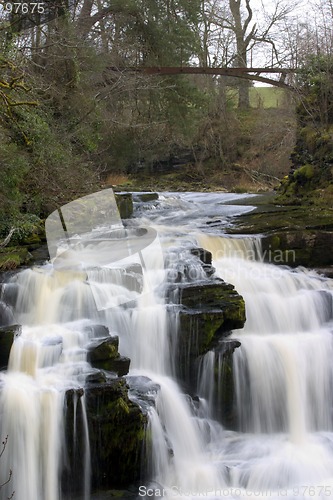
(103, 354)
(209, 311)
(13, 257)
(224, 392)
(116, 424)
(6, 314)
(125, 204)
(117, 428)
(309, 248)
(7, 336)
(290, 235)
(146, 196)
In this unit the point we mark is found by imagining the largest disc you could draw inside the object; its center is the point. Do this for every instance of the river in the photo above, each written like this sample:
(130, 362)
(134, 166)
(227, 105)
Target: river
(283, 370)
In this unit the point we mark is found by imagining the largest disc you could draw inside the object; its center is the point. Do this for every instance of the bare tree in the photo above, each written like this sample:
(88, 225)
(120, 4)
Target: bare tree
(243, 32)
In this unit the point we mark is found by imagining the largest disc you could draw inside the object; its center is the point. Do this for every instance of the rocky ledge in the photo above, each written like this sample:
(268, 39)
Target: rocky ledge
(291, 235)
(208, 312)
(117, 429)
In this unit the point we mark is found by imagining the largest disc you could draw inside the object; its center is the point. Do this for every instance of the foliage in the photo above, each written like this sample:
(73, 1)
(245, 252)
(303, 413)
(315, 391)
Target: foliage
(315, 81)
(312, 157)
(81, 122)
(24, 225)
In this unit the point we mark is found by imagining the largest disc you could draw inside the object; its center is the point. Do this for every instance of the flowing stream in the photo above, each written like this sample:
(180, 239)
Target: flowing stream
(283, 370)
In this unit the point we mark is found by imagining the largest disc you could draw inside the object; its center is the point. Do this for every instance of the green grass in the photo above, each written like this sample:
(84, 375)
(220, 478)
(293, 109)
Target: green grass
(260, 97)
(266, 97)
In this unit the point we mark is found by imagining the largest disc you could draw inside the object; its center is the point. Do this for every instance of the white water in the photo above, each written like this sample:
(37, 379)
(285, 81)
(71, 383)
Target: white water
(283, 371)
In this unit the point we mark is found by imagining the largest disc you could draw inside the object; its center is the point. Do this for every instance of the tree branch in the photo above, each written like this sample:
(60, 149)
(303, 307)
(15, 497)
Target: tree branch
(249, 17)
(3, 244)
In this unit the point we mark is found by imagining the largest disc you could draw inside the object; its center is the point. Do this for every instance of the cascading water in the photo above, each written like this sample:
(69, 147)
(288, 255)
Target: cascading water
(283, 375)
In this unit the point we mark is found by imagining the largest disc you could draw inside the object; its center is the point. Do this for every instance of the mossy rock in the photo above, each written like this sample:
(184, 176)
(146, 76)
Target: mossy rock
(32, 241)
(209, 312)
(304, 174)
(273, 218)
(7, 336)
(149, 196)
(102, 349)
(224, 407)
(13, 257)
(309, 248)
(307, 138)
(125, 204)
(117, 429)
(103, 354)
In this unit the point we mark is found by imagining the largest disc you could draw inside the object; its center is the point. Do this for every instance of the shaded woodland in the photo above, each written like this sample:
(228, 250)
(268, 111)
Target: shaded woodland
(72, 120)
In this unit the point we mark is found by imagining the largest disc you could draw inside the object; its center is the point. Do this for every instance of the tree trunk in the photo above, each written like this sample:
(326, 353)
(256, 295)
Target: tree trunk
(241, 49)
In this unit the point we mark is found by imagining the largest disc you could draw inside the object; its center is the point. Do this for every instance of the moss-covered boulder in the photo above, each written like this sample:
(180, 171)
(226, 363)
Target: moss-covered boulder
(312, 157)
(124, 204)
(290, 235)
(148, 196)
(103, 354)
(7, 336)
(117, 429)
(224, 392)
(209, 311)
(309, 248)
(13, 257)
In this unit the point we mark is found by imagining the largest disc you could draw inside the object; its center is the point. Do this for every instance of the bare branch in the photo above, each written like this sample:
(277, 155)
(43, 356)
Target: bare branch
(249, 17)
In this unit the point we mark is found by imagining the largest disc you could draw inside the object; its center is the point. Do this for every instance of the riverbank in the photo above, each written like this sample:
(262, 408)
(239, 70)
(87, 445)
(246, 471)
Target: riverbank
(238, 178)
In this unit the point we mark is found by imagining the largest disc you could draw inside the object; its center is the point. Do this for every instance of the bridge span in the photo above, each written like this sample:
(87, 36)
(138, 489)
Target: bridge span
(244, 73)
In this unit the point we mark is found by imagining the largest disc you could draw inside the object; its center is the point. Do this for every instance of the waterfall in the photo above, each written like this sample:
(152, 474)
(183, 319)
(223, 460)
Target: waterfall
(282, 373)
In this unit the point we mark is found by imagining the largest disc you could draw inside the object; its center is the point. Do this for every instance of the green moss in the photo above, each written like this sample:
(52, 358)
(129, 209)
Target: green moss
(275, 242)
(210, 312)
(147, 196)
(307, 138)
(304, 173)
(124, 204)
(13, 257)
(117, 434)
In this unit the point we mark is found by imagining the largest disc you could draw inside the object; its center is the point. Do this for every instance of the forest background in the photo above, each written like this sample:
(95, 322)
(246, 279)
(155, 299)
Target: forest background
(75, 115)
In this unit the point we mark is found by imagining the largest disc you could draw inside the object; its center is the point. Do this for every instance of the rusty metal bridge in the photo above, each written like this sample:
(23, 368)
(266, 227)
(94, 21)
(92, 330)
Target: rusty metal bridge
(244, 73)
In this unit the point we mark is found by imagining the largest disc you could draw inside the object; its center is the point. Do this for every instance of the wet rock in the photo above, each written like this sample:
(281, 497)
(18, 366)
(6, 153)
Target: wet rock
(205, 258)
(143, 390)
(100, 350)
(192, 265)
(227, 346)
(209, 311)
(97, 377)
(291, 235)
(204, 255)
(125, 204)
(117, 429)
(120, 494)
(149, 196)
(103, 354)
(224, 391)
(7, 336)
(9, 291)
(6, 314)
(74, 430)
(309, 248)
(39, 253)
(97, 331)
